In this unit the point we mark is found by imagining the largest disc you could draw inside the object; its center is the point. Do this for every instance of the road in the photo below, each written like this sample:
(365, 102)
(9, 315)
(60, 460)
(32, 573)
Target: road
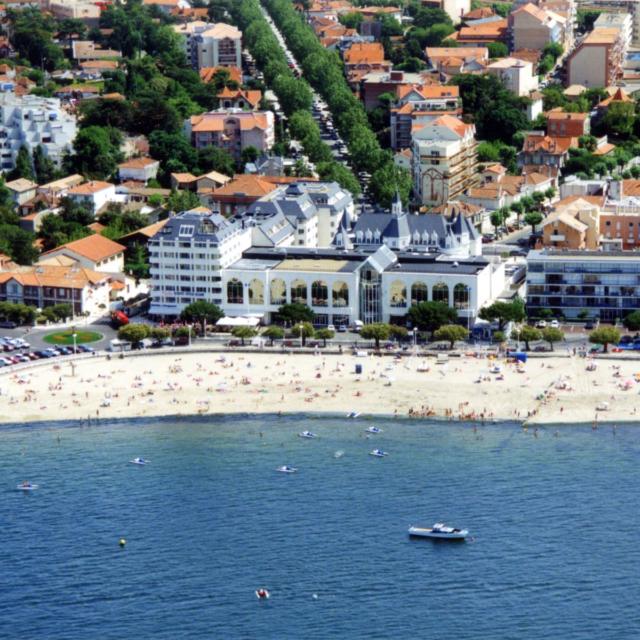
(35, 335)
(321, 114)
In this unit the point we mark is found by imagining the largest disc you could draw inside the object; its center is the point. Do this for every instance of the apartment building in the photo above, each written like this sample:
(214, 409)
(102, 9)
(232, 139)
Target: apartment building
(32, 121)
(604, 283)
(597, 60)
(533, 27)
(211, 45)
(630, 7)
(518, 76)
(186, 258)
(416, 106)
(232, 130)
(622, 21)
(444, 160)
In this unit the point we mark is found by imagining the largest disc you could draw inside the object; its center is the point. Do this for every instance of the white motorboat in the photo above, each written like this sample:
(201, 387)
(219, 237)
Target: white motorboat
(373, 430)
(353, 414)
(262, 594)
(140, 461)
(307, 434)
(26, 486)
(286, 469)
(378, 453)
(439, 531)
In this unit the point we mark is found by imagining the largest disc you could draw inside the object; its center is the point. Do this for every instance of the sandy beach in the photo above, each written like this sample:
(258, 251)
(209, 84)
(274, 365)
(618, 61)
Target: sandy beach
(542, 391)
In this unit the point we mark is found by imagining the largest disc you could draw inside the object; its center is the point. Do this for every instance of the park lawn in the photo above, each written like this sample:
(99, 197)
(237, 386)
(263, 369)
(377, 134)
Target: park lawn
(66, 337)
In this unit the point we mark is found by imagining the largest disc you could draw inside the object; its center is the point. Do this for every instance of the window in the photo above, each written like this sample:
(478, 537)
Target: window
(461, 296)
(319, 294)
(234, 292)
(278, 292)
(398, 294)
(419, 293)
(340, 294)
(256, 292)
(441, 293)
(299, 291)
(186, 230)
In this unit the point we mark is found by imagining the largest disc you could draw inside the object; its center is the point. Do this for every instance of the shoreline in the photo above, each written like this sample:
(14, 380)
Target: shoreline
(554, 390)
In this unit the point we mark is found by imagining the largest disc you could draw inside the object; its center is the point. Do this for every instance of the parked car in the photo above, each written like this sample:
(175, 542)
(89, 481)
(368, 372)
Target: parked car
(331, 327)
(33, 356)
(589, 325)
(541, 324)
(342, 328)
(554, 324)
(83, 348)
(8, 324)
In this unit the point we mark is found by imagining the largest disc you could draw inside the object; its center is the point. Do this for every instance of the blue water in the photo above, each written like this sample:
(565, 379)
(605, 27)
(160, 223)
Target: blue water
(555, 522)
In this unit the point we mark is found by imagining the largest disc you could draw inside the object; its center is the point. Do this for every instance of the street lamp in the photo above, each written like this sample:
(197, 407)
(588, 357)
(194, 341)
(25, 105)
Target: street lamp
(415, 340)
(74, 335)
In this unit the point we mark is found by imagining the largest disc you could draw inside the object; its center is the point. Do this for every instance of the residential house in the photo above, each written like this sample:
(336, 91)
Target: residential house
(562, 124)
(167, 6)
(451, 61)
(93, 252)
(619, 97)
(573, 226)
(597, 60)
(246, 99)
(94, 194)
(57, 189)
(455, 9)
(211, 180)
(184, 181)
(83, 50)
(375, 83)
(22, 190)
(207, 74)
(138, 169)
(41, 286)
(444, 160)
(541, 149)
(238, 194)
(362, 58)
(518, 76)
(83, 10)
(232, 130)
(482, 34)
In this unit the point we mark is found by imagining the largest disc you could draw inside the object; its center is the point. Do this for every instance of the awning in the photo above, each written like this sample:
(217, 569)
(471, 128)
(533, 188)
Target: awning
(240, 321)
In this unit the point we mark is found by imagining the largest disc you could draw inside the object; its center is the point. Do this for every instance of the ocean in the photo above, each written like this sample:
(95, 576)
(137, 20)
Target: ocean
(553, 516)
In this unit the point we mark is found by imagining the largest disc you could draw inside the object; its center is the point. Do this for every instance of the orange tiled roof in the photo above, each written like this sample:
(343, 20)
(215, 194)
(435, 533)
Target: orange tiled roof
(252, 96)
(246, 185)
(214, 121)
(88, 188)
(137, 163)
(95, 248)
(554, 145)
(619, 96)
(452, 123)
(364, 52)
(207, 73)
(40, 275)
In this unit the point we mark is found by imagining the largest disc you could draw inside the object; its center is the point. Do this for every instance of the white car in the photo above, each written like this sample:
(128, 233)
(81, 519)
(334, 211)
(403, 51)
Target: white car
(541, 324)
(554, 324)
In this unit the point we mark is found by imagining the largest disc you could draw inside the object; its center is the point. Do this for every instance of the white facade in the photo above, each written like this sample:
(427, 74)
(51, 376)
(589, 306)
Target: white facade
(138, 169)
(211, 45)
(516, 75)
(93, 195)
(31, 121)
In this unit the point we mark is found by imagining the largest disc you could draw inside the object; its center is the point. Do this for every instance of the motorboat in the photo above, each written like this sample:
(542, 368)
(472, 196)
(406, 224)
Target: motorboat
(140, 461)
(353, 414)
(262, 594)
(307, 434)
(378, 453)
(26, 486)
(373, 430)
(286, 469)
(439, 531)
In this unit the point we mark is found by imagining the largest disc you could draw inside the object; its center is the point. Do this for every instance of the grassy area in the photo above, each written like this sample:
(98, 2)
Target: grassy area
(66, 337)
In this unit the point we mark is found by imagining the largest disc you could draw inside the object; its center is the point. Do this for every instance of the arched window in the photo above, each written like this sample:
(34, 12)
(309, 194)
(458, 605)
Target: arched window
(320, 294)
(256, 292)
(441, 293)
(419, 292)
(340, 294)
(299, 291)
(398, 294)
(234, 292)
(461, 296)
(278, 292)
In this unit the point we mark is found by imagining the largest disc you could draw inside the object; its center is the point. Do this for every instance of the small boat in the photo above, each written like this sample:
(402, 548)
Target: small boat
(307, 434)
(286, 469)
(439, 531)
(26, 486)
(262, 594)
(140, 461)
(378, 453)
(353, 414)
(373, 430)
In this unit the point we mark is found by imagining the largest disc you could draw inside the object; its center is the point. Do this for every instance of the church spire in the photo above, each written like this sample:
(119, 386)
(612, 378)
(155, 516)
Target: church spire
(396, 205)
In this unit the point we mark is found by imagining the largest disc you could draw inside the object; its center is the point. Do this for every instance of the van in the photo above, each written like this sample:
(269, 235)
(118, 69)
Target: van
(119, 345)
(357, 326)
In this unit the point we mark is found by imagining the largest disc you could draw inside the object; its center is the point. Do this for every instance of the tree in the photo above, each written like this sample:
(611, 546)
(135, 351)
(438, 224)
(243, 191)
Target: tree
(528, 334)
(503, 312)
(273, 333)
(97, 152)
(551, 335)
(23, 167)
(533, 218)
(497, 218)
(244, 333)
(398, 332)
(605, 336)
(44, 168)
(498, 50)
(632, 321)
(249, 154)
(452, 333)
(134, 333)
(160, 333)
(388, 180)
(324, 335)
(182, 201)
(215, 159)
(202, 311)
(376, 331)
(619, 119)
(294, 313)
(18, 244)
(32, 37)
(431, 315)
(302, 330)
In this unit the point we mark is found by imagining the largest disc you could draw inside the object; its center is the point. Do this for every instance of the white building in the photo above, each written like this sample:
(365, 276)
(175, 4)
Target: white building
(94, 194)
(138, 169)
(31, 121)
(443, 160)
(94, 252)
(517, 76)
(211, 45)
(187, 257)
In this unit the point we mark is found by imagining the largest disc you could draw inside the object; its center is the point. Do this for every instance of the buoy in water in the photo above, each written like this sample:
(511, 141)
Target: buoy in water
(315, 596)
(262, 594)
(122, 542)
